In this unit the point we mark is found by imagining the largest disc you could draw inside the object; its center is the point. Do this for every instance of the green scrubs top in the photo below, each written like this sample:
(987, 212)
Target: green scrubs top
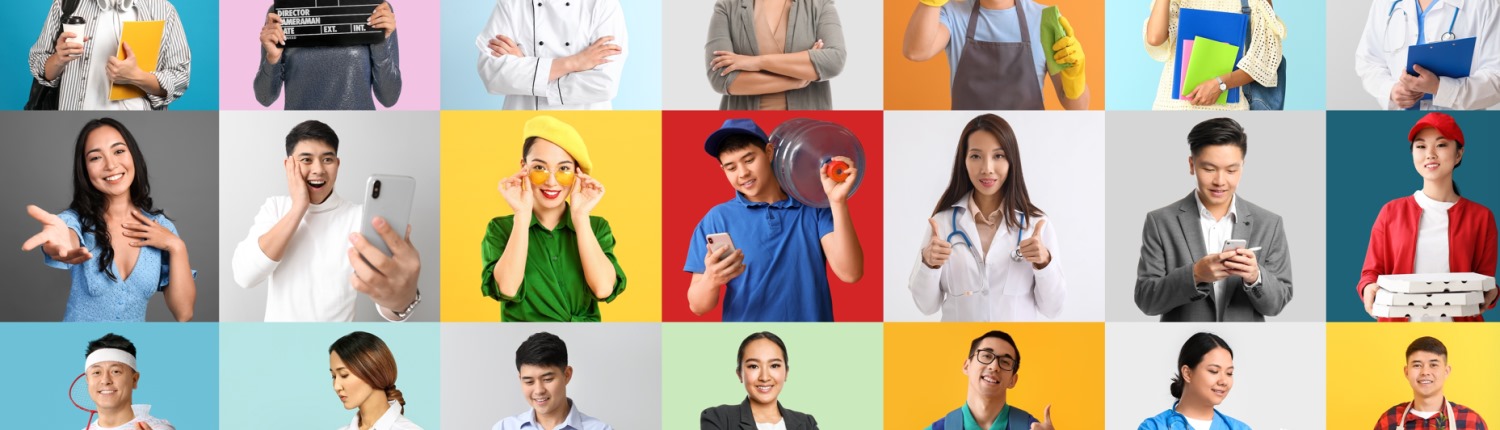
(553, 288)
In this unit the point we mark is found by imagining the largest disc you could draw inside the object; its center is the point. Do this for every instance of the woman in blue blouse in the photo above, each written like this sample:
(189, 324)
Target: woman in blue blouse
(118, 247)
(330, 77)
(1205, 373)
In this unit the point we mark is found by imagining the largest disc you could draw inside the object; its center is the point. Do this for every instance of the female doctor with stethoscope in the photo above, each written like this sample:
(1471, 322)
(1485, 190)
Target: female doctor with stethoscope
(1394, 25)
(991, 253)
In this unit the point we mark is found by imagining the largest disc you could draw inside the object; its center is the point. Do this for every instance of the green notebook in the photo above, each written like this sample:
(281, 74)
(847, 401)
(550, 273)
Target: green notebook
(1051, 31)
(1210, 58)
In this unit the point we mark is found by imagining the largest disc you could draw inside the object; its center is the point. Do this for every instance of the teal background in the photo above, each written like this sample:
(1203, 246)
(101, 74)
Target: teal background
(276, 374)
(835, 372)
(1368, 166)
(178, 364)
(640, 82)
(1132, 75)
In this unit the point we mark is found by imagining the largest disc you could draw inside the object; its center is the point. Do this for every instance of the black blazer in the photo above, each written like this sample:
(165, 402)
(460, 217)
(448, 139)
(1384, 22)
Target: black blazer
(739, 417)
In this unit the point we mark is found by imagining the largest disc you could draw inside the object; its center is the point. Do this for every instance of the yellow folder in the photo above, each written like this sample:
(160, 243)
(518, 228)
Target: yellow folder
(144, 38)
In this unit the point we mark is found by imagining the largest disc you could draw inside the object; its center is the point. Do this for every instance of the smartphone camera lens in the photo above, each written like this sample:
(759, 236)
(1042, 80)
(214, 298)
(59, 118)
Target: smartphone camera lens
(375, 192)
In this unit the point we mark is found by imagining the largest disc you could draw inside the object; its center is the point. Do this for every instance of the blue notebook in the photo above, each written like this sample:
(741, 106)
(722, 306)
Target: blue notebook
(1229, 27)
(1451, 59)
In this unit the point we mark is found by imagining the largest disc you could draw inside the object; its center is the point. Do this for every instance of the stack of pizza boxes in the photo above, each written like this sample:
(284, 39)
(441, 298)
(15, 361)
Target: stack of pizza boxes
(1431, 295)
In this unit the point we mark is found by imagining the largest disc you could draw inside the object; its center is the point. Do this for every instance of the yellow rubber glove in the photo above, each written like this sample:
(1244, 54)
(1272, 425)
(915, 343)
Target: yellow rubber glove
(1069, 51)
(934, 3)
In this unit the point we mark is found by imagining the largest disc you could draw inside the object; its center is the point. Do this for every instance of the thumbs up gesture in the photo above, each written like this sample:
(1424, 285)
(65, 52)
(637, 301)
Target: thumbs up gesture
(937, 250)
(1046, 423)
(1033, 250)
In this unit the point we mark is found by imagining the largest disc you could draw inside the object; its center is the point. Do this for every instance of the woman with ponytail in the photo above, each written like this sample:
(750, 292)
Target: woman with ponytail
(364, 377)
(1205, 373)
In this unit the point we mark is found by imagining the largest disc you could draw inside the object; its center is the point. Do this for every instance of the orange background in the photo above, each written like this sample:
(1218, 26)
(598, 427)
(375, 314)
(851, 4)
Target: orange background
(911, 85)
(1062, 364)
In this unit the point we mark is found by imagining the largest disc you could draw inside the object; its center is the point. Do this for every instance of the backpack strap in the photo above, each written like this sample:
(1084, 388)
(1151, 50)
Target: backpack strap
(1019, 419)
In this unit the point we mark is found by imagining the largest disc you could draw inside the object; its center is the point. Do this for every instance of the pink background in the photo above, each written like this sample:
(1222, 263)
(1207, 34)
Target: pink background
(239, 53)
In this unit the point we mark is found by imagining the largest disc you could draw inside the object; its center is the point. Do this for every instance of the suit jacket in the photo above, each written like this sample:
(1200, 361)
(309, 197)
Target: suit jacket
(1172, 241)
(739, 417)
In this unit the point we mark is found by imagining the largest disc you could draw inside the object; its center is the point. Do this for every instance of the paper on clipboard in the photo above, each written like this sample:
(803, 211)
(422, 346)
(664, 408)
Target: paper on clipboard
(144, 38)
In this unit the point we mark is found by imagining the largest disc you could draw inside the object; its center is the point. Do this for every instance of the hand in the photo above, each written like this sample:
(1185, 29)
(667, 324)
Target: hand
(390, 280)
(383, 18)
(816, 45)
(1046, 423)
(123, 70)
(1489, 298)
(586, 194)
(1403, 97)
(728, 61)
(937, 250)
(1425, 82)
(56, 240)
(722, 265)
(141, 425)
(502, 45)
(272, 38)
(516, 189)
(1033, 250)
(1067, 49)
(148, 233)
(1206, 93)
(296, 183)
(1242, 263)
(593, 56)
(1211, 268)
(1369, 298)
(66, 52)
(838, 192)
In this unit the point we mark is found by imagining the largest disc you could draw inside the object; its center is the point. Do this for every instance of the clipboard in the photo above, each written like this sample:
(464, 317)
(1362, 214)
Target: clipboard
(1227, 27)
(1451, 59)
(144, 38)
(328, 22)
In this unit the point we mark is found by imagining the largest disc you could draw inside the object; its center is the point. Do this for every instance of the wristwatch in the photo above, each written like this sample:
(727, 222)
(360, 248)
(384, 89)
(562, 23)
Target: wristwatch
(1222, 86)
(409, 308)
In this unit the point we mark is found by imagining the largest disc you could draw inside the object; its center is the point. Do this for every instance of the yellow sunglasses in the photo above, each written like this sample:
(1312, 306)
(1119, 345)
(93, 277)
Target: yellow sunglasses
(539, 176)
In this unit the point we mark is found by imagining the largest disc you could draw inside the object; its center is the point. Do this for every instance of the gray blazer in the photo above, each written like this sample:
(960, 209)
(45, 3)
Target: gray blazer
(733, 29)
(1172, 241)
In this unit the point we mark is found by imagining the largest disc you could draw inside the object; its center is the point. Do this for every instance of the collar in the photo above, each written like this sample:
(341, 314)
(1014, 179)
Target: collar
(572, 421)
(1234, 203)
(333, 202)
(1428, 203)
(1172, 413)
(1000, 418)
(114, 4)
(787, 203)
(990, 219)
(142, 413)
(567, 220)
(1445, 414)
(964, 203)
(385, 421)
(747, 417)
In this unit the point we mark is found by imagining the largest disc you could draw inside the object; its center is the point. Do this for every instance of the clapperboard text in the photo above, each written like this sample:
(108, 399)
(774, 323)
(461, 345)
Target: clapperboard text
(315, 23)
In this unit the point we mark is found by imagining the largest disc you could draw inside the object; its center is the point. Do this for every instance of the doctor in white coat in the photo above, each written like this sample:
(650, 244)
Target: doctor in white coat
(991, 255)
(1394, 25)
(554, 54)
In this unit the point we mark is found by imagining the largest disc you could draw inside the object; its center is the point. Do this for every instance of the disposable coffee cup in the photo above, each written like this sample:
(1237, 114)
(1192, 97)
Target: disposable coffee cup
(76, 26)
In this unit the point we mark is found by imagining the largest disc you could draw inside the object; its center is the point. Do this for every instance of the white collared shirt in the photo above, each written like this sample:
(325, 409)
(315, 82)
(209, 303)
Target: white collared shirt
(993, 287)
(547, 31)
(390, 420)
(142, 414)
(1432, 241)
(1215, 232)
(779, 425)
(1380, 59)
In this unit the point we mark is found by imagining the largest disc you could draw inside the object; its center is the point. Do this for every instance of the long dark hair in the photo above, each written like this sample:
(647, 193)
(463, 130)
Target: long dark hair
(1013, 196)
(1192, 354)
(89, 202)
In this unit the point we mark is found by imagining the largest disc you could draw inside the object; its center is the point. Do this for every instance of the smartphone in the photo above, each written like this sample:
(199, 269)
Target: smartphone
(720, 240)
(389, 197)
(1233, 244)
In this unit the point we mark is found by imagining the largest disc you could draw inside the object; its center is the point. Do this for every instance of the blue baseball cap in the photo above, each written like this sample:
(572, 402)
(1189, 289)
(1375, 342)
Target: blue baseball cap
(732, 127)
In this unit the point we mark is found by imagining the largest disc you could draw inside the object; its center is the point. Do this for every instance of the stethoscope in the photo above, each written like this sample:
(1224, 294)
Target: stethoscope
(1445, 37)
(1015, 254)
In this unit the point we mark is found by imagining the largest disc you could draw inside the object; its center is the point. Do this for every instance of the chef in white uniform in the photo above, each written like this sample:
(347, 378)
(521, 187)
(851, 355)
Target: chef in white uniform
(554, 54)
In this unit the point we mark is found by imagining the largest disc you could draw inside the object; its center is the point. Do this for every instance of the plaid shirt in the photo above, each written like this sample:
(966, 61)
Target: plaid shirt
(1463, 418)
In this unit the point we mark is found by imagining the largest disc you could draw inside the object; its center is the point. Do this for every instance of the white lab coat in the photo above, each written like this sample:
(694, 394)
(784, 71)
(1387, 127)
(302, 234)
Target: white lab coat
(996, 289)
(1380, 58)
(547, 30)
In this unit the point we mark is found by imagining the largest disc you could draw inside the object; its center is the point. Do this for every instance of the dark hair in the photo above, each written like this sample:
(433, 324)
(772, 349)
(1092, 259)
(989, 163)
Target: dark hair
(1192, 354)
(530, 141)
(740, 358)
(1427, 344)
(1013, 191)
(89, 202)
(544, 350)
(1413, 144)
(1218, 131)
(735, 142)
(997, 334)
(367, 357)
(311, 130)
(110, 341)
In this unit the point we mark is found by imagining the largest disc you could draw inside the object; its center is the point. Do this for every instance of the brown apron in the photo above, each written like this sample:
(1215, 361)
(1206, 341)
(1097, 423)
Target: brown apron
(996, 75)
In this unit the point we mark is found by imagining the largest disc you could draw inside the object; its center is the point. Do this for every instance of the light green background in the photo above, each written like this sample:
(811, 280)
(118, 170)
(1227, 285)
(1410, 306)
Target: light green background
(834, 371)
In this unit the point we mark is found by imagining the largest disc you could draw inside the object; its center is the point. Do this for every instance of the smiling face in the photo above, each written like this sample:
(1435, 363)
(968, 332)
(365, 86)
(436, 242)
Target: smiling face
(110, 165)
(990, 380)
(546, 388)
(351, 390)
(1426, 372)
(111, 384)
(987, 163)
(749, 172)
(547, 157)
(1213, 377)
(320, 168)
(763, 371)
(1435, 156)
(1217, 168)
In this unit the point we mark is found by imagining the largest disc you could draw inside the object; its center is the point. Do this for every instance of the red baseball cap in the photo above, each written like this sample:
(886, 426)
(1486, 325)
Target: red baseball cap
(1440, 121)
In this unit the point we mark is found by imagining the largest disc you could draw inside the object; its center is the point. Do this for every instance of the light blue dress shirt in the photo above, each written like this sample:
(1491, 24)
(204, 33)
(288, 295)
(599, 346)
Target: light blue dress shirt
(576, 421)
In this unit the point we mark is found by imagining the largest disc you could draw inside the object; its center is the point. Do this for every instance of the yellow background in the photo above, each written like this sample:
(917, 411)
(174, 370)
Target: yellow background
(1062, 364)
(479, 148)
(1365, 362)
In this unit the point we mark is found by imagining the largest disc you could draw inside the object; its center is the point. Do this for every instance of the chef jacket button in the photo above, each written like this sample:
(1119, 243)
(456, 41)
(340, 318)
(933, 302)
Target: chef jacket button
(538, 4)
(567, 43)
(540, 42)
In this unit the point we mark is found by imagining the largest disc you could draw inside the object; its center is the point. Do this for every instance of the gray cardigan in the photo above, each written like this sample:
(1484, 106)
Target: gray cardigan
(733, 29)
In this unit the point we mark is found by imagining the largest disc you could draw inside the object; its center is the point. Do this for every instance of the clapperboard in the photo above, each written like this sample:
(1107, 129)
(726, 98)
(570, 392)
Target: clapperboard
(328, 22)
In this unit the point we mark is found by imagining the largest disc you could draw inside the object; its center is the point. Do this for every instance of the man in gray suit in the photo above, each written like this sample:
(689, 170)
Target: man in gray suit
(1178, 277)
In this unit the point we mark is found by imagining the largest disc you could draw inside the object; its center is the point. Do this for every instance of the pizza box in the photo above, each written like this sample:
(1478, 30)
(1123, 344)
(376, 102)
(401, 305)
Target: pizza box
(1428, 311)
(1384, 297)
(1436, 283)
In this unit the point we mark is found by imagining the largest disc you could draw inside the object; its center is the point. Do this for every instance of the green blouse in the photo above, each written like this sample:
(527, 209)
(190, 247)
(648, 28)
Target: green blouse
(553, 288)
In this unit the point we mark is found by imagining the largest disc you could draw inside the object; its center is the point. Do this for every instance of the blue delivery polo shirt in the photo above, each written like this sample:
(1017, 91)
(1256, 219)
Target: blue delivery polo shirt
(786, 276)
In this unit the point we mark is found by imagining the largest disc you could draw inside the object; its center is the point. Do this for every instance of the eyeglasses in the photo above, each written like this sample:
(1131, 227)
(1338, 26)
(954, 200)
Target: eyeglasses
(986, 357)
(539, 174)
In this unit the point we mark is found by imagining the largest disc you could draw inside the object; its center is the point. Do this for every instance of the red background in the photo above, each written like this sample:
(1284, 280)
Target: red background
(693, 183)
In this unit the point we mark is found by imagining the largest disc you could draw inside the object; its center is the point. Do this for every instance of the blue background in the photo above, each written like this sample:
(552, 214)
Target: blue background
(640, 82)
(278, 373)
(178, 363)
(1368, 166)
(24, 22)
(1132, 76)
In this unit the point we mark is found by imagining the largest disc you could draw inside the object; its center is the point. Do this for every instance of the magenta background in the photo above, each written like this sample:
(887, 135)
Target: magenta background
(239, 51)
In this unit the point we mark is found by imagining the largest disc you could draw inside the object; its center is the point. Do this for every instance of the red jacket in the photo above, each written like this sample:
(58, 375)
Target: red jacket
(1472, 243)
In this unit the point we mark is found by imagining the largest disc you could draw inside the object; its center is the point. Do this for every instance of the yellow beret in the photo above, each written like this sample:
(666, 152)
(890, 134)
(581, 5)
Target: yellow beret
(561, 134)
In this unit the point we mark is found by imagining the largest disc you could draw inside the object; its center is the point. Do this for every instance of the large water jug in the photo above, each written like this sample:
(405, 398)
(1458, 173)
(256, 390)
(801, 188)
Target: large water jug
(801, 147)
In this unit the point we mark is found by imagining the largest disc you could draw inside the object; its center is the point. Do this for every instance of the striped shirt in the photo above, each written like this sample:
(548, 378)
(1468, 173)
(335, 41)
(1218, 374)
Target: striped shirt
(173, 68)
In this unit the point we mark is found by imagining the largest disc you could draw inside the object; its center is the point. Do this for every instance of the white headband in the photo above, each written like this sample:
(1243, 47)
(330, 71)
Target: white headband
(108, 354)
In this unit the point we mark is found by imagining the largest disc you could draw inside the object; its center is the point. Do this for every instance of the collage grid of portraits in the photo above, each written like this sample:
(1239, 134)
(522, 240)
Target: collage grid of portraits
(597, 265)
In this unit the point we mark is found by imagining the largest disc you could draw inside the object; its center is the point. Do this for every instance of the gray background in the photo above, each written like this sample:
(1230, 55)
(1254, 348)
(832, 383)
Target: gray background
(1278, 376)
(1063, 154)
(1284, 173)
(616, 372)
(252, 146)
(685, 75)
(181, 159)
(1346, 24)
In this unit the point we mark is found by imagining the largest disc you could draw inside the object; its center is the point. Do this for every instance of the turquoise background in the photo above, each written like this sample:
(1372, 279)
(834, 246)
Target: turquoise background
(178, 363)
(1369, 165)
(1132, 76)
(640, 82)
(276, 374)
